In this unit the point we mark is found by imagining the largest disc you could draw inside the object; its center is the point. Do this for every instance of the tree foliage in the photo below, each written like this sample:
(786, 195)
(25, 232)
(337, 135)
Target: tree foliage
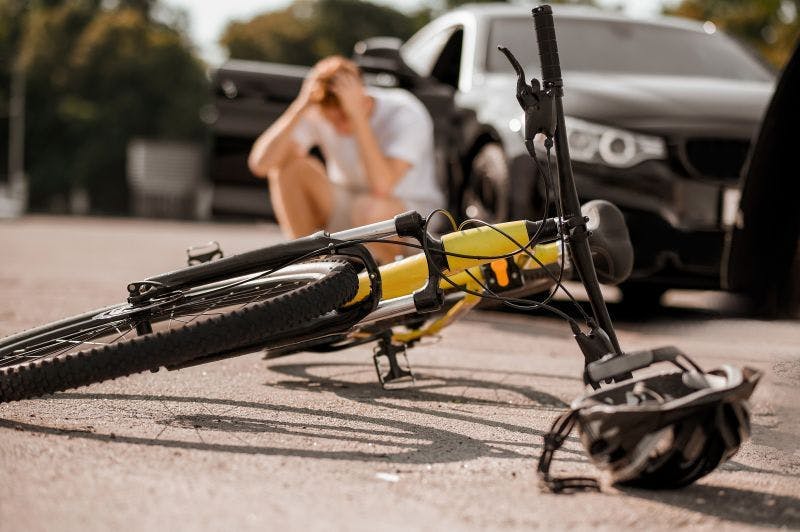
(771, 26)
(309, 30)
(97, 77)
(456, 3)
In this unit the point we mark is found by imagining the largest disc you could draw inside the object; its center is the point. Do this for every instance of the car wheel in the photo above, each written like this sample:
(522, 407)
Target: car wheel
(791, 303)
(636, 296)
(780, 297)
(486, 195)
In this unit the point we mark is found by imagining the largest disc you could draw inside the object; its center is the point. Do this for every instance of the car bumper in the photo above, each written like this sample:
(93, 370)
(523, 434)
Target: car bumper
(677, 224)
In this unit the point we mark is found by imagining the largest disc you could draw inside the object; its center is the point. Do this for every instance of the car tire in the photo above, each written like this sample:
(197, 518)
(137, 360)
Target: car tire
(791, 303)
(780, 297)
(641, 297)
(487, 191)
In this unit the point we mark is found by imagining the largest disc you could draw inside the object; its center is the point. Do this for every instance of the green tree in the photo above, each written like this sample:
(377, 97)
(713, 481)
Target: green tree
(771, 26)
(308, 30)
(48, 34)
(129, 78)
(98, 77)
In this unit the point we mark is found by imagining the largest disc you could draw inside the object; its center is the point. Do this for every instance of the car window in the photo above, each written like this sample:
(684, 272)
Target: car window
(448, 65)
(421, 53)
(592, 45)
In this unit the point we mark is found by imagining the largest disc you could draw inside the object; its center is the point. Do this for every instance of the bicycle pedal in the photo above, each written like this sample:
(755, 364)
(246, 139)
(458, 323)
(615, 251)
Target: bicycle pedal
(203, 253)
(395, 375)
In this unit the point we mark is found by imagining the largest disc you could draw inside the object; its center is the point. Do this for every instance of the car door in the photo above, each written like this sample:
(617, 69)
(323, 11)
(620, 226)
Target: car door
(248, 97)
(437, 57)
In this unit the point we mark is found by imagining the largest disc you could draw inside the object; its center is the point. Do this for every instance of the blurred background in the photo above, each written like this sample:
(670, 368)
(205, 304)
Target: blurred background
(96, 95)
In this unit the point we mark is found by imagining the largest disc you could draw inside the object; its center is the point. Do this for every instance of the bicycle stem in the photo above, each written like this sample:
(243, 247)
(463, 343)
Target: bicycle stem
(537, 105)
(578, 238)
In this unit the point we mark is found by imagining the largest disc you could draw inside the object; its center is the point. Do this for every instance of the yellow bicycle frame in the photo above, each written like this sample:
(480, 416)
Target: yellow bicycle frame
(404, 277)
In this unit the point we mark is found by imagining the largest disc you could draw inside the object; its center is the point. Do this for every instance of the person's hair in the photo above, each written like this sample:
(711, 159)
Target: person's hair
(327, 70)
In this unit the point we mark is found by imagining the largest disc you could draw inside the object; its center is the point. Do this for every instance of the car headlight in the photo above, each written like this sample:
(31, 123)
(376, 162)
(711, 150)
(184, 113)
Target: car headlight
(590, 143)
(594, 143)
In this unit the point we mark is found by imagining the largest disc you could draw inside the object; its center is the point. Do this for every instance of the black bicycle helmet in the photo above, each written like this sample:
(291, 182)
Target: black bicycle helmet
(656, 431)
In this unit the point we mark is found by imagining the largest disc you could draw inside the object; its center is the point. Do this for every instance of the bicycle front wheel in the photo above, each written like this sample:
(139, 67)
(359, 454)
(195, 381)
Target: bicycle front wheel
(199, 322)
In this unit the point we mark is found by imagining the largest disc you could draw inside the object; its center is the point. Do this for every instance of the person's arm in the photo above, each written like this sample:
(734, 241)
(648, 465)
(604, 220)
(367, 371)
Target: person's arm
(272, 148)
(275, 145)
(383, 173)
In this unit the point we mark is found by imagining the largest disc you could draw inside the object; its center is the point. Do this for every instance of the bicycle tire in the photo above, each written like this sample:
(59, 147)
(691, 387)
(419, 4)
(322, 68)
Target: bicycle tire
(320, 287)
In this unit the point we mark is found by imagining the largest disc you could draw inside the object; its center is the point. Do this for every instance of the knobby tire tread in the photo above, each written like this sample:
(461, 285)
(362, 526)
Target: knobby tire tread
(246, 326)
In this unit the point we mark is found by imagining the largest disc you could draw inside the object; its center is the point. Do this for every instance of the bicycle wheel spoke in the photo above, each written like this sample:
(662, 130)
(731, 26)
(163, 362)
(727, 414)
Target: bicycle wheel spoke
(242, 299)
(71, 342)
(202, 313)
(186, 310)
(252, 300)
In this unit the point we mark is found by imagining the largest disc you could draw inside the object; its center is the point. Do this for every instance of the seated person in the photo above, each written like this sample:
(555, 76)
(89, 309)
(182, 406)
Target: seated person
(378, 150)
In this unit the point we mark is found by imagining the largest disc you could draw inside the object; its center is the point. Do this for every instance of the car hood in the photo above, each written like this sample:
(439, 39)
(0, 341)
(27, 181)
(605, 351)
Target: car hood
(664, 105)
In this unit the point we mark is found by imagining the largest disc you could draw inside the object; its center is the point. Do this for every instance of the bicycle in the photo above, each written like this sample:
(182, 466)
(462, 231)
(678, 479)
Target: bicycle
(325, 292)
(176, 323)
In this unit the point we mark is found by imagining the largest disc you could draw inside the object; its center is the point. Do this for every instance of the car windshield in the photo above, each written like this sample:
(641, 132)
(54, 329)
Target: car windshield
(592, 45)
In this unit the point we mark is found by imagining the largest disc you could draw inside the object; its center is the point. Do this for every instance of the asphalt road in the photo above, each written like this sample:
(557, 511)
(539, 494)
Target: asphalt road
(312, 442)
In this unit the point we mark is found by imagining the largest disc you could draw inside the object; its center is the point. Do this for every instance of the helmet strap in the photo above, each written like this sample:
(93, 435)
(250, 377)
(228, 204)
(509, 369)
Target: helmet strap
(553, 441)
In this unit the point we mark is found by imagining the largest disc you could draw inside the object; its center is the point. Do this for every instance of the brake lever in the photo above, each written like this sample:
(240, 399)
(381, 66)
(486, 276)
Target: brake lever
(527, 95)
(538, 104)
(514, 63)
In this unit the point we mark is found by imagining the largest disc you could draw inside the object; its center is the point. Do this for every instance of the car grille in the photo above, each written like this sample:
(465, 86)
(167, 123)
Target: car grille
(712, 158)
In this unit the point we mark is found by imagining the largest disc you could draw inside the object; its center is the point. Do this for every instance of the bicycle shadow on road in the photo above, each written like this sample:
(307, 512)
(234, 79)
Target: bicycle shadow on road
(429, 389)
(731, 504)
(429, 386)
(284, 430)
(426, 391)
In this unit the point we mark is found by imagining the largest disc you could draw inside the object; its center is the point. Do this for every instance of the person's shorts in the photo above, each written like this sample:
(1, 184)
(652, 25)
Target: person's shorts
(345, 199)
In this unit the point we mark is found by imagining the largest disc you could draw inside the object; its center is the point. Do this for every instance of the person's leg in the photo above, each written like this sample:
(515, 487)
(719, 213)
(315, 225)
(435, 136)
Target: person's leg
(301, 196)
(370, 209)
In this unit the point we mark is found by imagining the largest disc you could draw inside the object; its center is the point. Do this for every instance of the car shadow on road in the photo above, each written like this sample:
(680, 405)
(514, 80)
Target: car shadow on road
(732, 504)
(627, 313)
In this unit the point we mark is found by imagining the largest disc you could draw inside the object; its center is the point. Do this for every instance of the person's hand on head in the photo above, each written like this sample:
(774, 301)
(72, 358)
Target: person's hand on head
(349, 90)
(309, 91)
(313, 88)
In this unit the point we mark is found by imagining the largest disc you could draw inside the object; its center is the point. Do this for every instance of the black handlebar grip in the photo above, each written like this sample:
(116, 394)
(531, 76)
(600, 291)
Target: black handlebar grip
(548, 49)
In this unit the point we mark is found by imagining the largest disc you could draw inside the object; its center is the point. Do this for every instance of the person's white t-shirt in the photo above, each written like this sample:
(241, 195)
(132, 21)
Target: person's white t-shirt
(403, 129)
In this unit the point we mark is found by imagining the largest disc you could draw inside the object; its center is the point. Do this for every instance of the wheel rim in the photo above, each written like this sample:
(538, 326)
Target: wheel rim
(486, 195)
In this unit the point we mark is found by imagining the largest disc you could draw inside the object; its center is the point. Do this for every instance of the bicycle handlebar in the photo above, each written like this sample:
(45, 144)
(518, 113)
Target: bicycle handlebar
(548, 48)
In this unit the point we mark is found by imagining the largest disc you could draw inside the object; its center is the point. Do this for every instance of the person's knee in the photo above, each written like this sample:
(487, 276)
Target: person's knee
(284, 172)
(294, 169)
(370, 209)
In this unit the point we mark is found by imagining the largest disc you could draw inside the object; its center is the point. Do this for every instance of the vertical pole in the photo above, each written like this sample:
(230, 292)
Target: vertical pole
(16, 136)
